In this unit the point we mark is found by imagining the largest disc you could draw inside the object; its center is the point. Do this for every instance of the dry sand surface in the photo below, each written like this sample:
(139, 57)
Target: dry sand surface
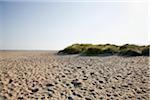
(46, 76)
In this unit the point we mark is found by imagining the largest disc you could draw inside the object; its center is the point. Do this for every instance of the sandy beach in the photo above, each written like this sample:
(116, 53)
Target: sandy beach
(47, 76)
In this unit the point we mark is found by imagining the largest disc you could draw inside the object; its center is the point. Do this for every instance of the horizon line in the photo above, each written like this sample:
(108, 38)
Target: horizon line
(76, 1)
(26, 50)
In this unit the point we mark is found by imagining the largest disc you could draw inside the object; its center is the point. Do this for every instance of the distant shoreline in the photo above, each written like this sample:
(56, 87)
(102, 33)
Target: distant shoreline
(29, 50)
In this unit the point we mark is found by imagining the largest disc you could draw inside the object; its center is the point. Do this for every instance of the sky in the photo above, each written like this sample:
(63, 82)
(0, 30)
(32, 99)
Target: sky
(53, 25)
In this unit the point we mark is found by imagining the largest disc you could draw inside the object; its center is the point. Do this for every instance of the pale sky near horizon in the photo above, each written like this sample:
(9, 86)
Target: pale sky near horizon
(53, 25)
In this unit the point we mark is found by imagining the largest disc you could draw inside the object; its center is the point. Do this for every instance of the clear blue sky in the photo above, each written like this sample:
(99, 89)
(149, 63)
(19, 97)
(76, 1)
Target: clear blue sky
(54, 25)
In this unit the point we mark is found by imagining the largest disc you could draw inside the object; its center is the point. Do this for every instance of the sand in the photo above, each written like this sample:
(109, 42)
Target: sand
(46, 76)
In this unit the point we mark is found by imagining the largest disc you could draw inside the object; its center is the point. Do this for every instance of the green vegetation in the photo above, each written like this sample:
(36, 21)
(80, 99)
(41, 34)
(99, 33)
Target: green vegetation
(92, 51)
(74, 49)
(106, 49)
(130, 50)
(145, 50)
(100, 49)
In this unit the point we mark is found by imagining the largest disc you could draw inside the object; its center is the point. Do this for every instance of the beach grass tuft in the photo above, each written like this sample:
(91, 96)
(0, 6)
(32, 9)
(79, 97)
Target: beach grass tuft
(106, 49)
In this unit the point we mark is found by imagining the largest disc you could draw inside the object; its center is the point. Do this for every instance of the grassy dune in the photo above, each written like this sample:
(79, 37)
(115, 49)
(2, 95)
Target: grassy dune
(106, 49)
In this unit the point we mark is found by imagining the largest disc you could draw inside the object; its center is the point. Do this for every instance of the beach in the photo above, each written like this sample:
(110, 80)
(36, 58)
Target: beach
(44, 75)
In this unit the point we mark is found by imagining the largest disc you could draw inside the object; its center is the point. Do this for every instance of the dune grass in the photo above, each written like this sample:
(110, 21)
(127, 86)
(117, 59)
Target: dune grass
(74, 49)
(100, 49)
(145, 50)
(106, 49)
(130, 50)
